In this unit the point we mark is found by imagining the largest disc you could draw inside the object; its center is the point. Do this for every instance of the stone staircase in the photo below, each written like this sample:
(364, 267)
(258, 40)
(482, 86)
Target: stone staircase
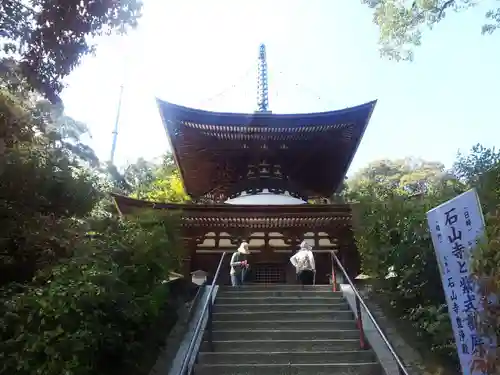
(284, 330)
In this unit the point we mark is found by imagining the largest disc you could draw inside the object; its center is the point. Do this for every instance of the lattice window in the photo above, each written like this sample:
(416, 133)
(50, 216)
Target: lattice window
(268, 274)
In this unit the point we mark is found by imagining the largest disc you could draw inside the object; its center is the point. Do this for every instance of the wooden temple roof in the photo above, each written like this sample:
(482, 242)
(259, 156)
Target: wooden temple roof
(246, 216)
(307, 154)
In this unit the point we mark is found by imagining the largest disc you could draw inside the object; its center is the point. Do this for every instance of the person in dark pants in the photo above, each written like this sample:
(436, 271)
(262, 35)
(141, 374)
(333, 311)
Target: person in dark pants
(239, 265)
(303, 261)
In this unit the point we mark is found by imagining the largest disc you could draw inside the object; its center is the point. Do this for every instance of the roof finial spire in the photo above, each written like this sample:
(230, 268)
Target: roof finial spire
(262, 94)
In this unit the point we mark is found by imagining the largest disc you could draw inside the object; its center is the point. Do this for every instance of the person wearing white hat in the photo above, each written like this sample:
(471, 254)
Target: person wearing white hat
(239, 264)
(303, 261)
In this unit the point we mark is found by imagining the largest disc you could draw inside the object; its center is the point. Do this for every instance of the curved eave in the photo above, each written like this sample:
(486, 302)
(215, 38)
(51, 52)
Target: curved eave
(176, 118)
(126, 205)
(177, 113)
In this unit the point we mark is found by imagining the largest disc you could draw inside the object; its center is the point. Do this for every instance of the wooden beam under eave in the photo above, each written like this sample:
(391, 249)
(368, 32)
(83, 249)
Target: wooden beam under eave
(117, 206)
(223, 208)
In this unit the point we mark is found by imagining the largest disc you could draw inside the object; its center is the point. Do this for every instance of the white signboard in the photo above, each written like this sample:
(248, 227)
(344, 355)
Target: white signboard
(456, 227)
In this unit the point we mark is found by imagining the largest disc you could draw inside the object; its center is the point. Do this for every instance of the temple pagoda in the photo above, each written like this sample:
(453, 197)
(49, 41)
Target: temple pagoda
(251, 176)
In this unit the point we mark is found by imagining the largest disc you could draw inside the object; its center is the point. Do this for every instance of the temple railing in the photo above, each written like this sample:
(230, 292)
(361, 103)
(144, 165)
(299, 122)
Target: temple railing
(205, 321)
(360, 307)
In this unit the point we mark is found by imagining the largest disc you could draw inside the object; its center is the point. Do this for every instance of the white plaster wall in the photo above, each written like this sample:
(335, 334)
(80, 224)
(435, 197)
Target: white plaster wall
(265, 198)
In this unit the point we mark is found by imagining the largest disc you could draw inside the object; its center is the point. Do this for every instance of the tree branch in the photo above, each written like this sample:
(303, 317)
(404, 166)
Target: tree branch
(17, 2)
(446, 5)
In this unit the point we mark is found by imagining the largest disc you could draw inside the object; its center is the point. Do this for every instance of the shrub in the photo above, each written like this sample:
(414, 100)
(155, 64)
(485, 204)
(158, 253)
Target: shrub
(43, 189)
(486, 263)
(90, 313)
(393, 236)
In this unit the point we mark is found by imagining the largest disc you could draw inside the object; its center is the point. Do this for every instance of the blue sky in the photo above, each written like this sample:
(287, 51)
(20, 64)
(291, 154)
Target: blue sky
(322, 55)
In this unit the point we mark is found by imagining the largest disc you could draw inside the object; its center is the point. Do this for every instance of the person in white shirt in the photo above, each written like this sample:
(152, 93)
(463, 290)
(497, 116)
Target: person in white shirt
(303, 261)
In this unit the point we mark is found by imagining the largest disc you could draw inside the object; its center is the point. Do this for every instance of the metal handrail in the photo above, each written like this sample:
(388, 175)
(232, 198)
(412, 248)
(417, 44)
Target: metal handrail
(360, 303)
(196, 302)
(207, 307)
(334, 277)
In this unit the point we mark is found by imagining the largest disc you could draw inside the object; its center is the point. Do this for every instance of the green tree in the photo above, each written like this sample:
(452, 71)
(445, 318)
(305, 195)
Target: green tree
(49, 38)
(392, 198)
(407, 176)
(155, 182)
(167, 188)
(471, 166)
(140, 176)
(393, 234)
(480, 168)
(65, 132)
(92, 313)
(81, 292)
(44, 187)
(402, 23)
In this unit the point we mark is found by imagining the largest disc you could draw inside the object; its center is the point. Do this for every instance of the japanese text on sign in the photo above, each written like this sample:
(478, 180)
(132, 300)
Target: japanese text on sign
(456, 226)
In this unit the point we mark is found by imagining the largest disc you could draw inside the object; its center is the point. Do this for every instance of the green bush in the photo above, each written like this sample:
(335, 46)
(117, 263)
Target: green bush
(393, 239)
(486, 265)
(71, 303)
(43, 188)
(90, 313)
(393, 236)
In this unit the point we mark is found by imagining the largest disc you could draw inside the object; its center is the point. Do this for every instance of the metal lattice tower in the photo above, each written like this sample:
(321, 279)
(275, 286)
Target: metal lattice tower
(262, 87)
(117, 121)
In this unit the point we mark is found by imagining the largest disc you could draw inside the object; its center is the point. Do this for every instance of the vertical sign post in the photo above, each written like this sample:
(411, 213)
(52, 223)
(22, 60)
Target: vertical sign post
(456, 228)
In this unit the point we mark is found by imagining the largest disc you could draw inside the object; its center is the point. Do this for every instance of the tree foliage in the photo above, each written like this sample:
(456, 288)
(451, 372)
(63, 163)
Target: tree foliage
(486, 256)
(155, 182)
(90, 313)
(408, 176)
(402, 23)
(48, 38)
(43, 188)
(393, 234)
(81, 291)
(472, 168)
(393, 198)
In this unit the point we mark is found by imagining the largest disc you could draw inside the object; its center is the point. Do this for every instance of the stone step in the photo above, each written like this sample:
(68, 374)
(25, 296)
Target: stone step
(287, 334)
(277, 293)
(297, 307)
(297, 325)
(284, 315)
(300, 345)
(369, 368)
(283, 358)
(258, 287)
(243, 300)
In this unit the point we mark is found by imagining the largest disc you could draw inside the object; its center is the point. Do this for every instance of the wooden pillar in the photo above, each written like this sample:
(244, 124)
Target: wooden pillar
(292, 239)
(323, 267)
(348, 252)
(316, 239)
(291, 275)
(238, 235)
(217, 238)
(188, 252)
